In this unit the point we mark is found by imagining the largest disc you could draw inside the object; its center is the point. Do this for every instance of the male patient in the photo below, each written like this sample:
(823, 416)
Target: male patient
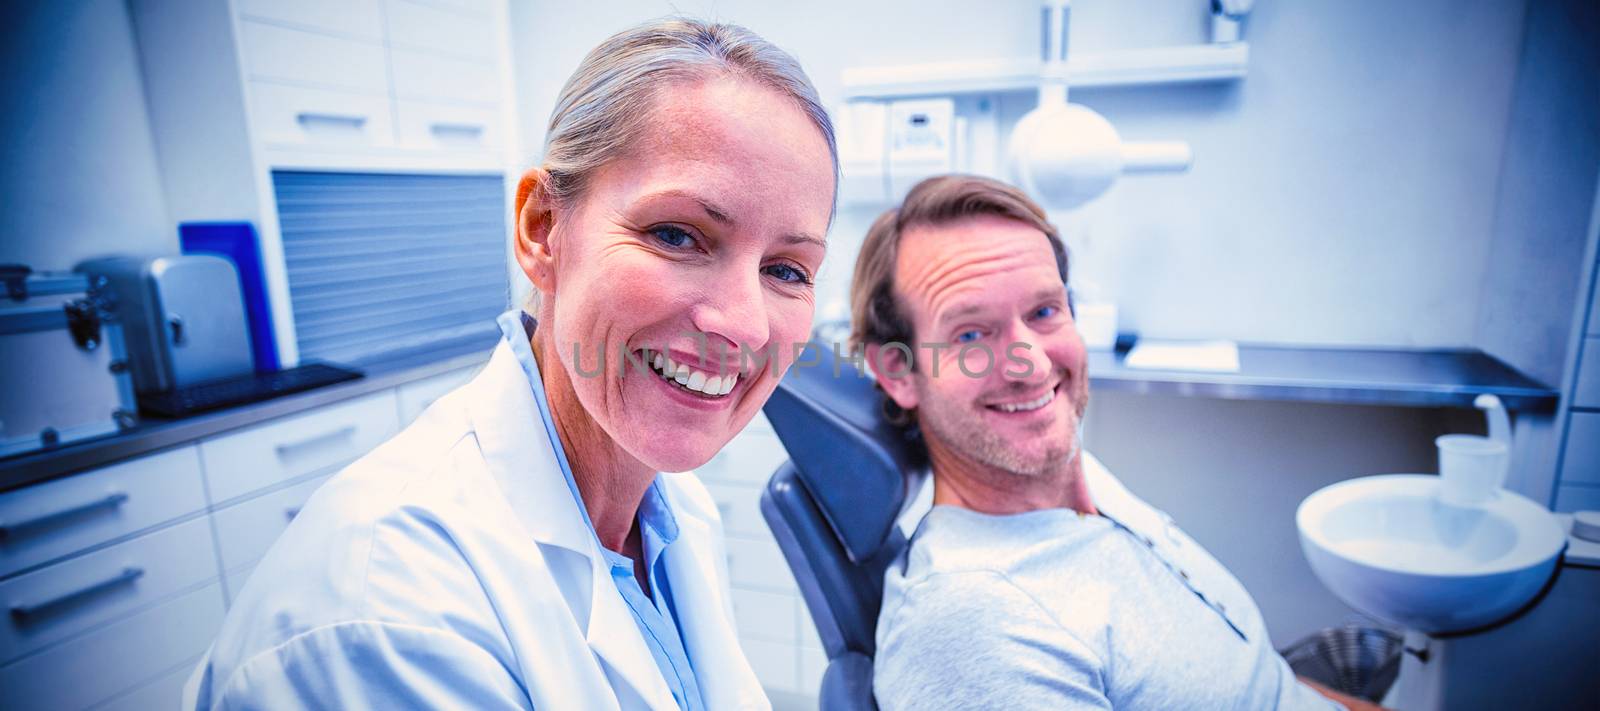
(1037, 580)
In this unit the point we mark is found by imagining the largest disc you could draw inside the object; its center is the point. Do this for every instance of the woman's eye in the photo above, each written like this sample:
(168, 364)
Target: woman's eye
(968, 336)
(787, 273)
(672, 236)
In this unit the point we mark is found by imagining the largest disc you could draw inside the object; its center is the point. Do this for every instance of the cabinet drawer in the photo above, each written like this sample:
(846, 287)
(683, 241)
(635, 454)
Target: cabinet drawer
(758, 564)
(57, 518)
(51, 604)
(740, 508)
(163, 693)
(115, 659)
(418, 26)
(358, 18)
(750, 459)
(417, 396)
(431, 77)
(280, 54)
(246, 530)
(449, 128)
(766, 615)
(244, 461)
(289, 115)
(235, 581)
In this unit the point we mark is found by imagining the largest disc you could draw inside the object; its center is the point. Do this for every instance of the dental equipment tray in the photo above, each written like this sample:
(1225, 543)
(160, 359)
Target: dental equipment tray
(243, 390)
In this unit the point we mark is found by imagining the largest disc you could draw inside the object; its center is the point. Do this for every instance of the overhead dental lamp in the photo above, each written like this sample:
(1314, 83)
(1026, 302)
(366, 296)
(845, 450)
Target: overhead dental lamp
(1064, 154)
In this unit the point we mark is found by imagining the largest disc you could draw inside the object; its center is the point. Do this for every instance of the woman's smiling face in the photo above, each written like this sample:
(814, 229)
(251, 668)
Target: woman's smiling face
(704, 238)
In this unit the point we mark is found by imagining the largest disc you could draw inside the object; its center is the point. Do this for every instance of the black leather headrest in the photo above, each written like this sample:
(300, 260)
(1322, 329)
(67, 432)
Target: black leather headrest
(852, 460)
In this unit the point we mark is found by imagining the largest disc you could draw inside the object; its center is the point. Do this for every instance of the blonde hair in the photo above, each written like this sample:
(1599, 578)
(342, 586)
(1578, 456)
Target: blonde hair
(876, 317)
(606, 104)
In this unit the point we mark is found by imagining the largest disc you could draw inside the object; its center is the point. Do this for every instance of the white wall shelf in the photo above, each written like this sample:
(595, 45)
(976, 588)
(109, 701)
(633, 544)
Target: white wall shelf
(1217, 62)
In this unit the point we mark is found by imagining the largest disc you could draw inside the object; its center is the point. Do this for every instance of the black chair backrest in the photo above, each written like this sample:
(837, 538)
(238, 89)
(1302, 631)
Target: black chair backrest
(833, 506)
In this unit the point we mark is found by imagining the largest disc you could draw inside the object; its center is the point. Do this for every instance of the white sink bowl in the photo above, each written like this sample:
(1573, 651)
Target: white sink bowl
(1388, 547)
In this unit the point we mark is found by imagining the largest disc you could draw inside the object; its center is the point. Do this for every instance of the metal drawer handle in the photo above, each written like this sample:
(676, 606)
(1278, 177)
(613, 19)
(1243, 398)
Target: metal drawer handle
(456, 130)
(287, 449)
(306, 118)
(25, 613)
(109, 501)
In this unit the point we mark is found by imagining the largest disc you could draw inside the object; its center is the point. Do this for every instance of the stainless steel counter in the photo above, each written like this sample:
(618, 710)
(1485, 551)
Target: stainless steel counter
(155, 433)
(1397, 377)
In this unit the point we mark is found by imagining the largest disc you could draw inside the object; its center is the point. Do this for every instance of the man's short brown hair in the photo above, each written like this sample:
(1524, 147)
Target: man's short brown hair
(876, 316)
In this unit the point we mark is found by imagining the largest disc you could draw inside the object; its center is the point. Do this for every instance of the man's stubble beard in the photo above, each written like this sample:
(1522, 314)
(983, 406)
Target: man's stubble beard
(961, 428)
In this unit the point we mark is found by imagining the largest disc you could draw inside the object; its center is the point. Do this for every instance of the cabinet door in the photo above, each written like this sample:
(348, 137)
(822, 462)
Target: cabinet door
(302, 117)
(424, 76)
(116, 659)
(68, 598)
(280, 54)
(165, 692)
(441, 127)
(414, 25)
(356, 18)
(247, 529)
(60, 517)
(241, 462)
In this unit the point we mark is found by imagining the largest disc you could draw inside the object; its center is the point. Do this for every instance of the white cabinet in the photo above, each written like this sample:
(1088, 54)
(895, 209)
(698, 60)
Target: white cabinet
(115, 579)
(65, 599)
(45, 522)
(361, 19)
(289, 117)
(280, 54)
(455, 31)
(243, 92)
(246, 530)
(115, 659)
(241, 462)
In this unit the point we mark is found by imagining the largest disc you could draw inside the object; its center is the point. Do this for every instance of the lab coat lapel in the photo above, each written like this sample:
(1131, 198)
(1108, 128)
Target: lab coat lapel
(512, 437)
(704, 617)
(614, 637)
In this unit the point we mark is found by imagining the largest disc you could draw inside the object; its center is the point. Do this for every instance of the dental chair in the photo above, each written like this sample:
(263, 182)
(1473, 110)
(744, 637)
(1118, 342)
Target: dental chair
(833, 508)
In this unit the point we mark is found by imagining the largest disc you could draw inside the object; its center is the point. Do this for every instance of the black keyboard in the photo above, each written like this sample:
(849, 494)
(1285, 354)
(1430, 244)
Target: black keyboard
(244, 389)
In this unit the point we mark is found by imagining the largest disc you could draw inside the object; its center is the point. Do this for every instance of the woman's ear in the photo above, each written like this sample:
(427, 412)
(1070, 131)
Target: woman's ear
(535, 221)
(892, 364)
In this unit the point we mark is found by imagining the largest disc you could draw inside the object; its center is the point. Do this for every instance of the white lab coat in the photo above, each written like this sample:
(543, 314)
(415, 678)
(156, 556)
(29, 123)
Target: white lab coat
(452, 568)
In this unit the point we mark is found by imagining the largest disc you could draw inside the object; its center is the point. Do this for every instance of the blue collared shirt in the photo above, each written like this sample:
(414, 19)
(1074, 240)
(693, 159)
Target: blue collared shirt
(658, 530)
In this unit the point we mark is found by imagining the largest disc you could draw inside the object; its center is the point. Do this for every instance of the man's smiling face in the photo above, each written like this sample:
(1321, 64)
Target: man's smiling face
(1010, 390)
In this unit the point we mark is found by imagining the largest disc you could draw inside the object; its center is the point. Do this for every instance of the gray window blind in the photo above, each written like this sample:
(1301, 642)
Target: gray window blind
(385, 264)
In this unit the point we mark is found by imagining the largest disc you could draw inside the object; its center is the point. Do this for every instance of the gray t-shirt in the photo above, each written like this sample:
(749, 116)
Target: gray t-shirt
(1053, 609)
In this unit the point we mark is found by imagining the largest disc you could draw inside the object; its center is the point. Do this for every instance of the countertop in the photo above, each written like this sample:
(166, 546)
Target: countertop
(1579, 552)
(152, 434)
(1397, 377)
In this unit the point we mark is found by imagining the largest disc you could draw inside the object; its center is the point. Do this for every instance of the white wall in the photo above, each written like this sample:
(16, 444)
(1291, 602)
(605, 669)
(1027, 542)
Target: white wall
(1342, 194)
(81, 177)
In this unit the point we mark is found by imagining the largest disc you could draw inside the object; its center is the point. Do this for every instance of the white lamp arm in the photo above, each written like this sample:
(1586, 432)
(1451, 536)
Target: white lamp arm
(1156, 156)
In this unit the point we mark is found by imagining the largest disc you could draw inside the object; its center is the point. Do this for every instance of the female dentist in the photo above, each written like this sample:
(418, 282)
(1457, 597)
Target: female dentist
(518, 547)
